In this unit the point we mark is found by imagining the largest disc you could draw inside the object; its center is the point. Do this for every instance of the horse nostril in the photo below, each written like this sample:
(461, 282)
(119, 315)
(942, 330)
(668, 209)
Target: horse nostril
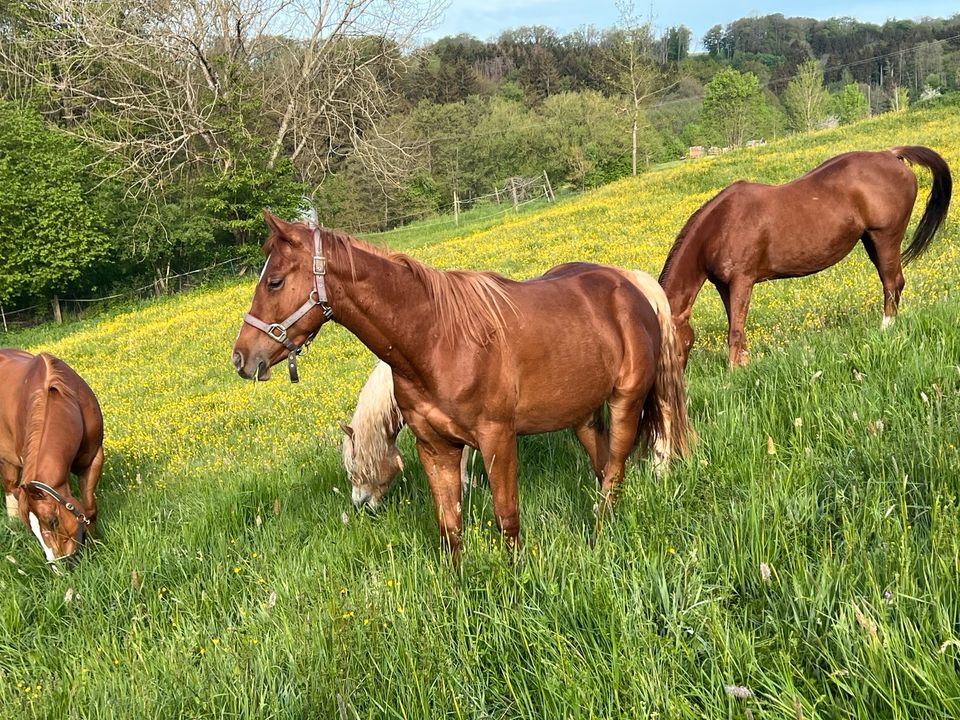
(237, 359)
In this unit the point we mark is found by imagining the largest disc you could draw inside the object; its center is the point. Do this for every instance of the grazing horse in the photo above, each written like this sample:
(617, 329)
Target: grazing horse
(750, 233)
(478, 359)
(370, 454)
(50, 426)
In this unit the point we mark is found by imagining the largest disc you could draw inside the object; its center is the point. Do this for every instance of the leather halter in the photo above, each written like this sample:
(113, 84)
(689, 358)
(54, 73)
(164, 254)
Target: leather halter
(83, 522)
(317, 296)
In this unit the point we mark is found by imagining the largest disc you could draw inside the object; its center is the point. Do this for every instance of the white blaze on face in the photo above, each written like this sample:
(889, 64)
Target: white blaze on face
(35, 526)
(264, 271)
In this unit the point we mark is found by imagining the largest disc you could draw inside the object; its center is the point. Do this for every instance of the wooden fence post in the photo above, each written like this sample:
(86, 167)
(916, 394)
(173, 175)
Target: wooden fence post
(4, 316)
(496, 191)
(546, 177)
(513, 191)
(57, 316)
(456, 208)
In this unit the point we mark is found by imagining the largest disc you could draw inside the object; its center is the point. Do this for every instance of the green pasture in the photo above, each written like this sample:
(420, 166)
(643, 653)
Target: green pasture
(802, 563)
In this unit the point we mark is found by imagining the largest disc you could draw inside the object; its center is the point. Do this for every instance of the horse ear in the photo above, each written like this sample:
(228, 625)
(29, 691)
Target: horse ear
(347, 430)
(280, 227)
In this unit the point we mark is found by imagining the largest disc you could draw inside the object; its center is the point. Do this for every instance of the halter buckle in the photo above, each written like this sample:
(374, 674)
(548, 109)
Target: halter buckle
(277, 331)
(319, 265)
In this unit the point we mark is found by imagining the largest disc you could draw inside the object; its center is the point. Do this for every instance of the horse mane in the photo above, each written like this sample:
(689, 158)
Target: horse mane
(53, 381)
(686, 231)
(466, 301)
(375, 424)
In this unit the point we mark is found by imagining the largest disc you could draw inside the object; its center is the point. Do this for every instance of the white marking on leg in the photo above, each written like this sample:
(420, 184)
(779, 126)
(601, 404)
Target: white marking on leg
(13, 507)
(35, 526)
(887, 321)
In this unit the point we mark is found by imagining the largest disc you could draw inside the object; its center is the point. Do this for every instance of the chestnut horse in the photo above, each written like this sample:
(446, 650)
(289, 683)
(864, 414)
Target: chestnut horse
(751, 233)
(478, 359)
(370, 454)
(50, 426)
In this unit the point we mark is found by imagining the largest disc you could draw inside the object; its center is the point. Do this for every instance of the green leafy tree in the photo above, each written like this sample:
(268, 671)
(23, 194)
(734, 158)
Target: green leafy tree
(733, 107)
(805, 99)
(56, 224)
(850, 104)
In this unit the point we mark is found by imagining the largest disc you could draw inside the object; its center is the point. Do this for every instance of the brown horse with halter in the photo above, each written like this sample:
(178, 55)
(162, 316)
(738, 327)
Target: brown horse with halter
(478, 359)
(751, 233)
(50, 426)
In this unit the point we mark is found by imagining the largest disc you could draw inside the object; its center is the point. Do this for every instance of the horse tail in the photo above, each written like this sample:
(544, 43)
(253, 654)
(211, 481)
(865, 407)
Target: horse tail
(665, 425)
(52, 379)
(937, 204)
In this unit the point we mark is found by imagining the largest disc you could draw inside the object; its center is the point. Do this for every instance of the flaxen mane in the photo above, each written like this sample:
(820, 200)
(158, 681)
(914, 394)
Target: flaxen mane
(53, 381)
(375, 424)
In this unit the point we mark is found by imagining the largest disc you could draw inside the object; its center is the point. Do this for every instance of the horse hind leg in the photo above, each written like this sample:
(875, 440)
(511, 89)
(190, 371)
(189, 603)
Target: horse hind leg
(624, 425)
(592, 434)
(883, 248)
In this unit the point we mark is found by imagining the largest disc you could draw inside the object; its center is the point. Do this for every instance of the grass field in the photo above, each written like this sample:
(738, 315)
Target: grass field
(804, 562)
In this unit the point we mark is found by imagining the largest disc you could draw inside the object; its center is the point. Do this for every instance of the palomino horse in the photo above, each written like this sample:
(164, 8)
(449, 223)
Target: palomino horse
(50, 426)
(370, 454)
(750, 233)
(478, 359)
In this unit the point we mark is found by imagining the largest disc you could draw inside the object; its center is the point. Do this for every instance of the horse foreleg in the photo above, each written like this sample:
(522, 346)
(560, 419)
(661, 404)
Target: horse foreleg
(499, 450)
(441, 463)
(737, 302)
(593, 436)
(884, 252)
(10, 474)
(88, 485)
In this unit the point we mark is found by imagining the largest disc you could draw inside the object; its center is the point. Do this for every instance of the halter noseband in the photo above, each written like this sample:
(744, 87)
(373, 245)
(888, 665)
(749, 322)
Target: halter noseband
(83, 522)
(317, 296)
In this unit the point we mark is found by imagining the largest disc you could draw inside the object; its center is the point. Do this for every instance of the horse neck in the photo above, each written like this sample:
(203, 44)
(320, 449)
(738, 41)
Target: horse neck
(50, 406)
(684, 272)
(380, 301)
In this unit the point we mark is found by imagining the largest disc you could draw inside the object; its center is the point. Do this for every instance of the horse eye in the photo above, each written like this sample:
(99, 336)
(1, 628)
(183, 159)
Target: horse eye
(54, 523)
(274, 283)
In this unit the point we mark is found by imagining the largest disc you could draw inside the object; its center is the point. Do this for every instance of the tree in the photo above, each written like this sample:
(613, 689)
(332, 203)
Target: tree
(635, 75)
(173, 88)
(733, 107)
(850, 104)
(56, 227)
(805, 98)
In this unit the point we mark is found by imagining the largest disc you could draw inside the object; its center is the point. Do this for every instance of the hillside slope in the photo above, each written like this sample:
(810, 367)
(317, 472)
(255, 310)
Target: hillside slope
(808, 551)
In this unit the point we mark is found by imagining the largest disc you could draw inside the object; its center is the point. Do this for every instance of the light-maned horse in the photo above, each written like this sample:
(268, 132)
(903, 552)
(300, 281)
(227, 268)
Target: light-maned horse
(478, 359)
(369, 451)
(50, 426)
(370, 455)
(751, 233)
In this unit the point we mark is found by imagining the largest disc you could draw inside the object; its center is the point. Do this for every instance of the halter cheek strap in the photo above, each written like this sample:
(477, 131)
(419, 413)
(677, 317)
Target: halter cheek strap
(317, 296)
(82, 520)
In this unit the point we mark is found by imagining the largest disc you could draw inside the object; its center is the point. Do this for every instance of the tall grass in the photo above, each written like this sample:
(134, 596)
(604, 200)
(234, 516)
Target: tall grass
(802, 563)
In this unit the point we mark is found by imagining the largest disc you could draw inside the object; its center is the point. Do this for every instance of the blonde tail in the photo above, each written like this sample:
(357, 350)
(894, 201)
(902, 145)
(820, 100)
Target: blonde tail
(665, 425)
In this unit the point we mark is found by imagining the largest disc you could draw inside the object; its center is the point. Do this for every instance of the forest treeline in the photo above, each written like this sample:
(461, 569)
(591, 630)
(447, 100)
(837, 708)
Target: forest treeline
(138, 139)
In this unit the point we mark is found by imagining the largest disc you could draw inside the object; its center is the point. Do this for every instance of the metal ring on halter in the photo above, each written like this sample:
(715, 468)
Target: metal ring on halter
(278, 336)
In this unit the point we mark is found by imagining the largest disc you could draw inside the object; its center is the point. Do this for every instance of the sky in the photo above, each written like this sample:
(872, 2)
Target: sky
(487, 18)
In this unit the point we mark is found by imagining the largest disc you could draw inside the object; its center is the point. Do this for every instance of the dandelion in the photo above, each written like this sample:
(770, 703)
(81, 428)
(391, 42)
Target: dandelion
(236, 570)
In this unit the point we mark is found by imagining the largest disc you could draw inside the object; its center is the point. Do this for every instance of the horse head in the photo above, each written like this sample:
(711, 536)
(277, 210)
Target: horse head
(372, 470)
(289, 303)
(56, 518)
